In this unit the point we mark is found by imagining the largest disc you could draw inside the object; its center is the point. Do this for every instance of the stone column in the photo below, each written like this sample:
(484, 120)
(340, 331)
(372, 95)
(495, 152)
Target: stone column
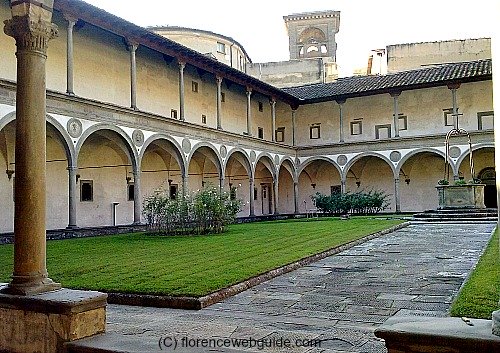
(453, 88)
(132, 48)
(296, 197)
(182, 65)
(137, 197)
(185, 177)
(395, 96)
(343, 188)
(294, 116)
(69, 54)
(275, 195)
(249, 111)
(73, 197)
(32, 29)
(219, 101)
(273, 119)
(341, 120)
(252, 201)
(221, 183)
(397, 197)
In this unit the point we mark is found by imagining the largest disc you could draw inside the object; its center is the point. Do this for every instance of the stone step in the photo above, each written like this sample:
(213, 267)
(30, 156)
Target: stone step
(455, 215)
(463, 210)
(457, 220)
(116, 343)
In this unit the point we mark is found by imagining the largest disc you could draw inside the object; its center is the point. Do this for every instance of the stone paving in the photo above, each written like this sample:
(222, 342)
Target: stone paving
(336, 303)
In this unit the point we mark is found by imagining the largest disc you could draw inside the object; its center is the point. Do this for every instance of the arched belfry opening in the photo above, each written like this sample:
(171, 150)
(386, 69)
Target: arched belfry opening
(312, 34)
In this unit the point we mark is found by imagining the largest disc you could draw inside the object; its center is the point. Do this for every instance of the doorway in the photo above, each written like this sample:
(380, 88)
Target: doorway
(488, 177)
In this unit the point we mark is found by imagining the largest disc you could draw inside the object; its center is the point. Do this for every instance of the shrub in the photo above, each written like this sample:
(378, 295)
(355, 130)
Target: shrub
(443, 182)
(362, 202)
(206, 211)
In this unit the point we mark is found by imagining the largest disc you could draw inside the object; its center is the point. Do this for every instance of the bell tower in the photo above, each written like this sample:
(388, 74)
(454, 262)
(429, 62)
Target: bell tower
(312, 34)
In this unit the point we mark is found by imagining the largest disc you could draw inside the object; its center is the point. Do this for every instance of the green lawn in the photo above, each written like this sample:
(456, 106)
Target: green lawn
(191, 265)
(479, 296)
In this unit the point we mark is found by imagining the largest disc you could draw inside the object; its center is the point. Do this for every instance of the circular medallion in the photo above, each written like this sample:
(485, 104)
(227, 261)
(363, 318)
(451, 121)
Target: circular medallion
(455, 152)
(138, 138)
(277, 160)
(223, 151)
(395, 156)
(297, 161)
(186, 145)
(342, 160)
(74, 128)
(253, 156)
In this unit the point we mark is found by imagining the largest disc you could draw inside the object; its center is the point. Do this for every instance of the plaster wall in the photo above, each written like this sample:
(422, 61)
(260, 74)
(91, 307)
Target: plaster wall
(415, 55)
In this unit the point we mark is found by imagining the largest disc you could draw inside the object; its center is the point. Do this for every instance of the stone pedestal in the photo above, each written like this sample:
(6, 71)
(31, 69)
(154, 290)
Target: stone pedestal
(42, 323)
(461, 196)
(440, 335)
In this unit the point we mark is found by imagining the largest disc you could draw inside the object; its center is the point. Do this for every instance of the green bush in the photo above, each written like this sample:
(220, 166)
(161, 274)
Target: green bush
(206, 211)
(362, 202)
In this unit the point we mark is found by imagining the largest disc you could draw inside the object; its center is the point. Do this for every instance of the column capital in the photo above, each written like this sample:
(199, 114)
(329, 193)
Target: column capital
(395, 94)
(272, 101)
(218, 79)
(341, 101)
(454, 85)
(181, 64)
(249, 91)
(29, 34)
(132, 44)
(72, 20)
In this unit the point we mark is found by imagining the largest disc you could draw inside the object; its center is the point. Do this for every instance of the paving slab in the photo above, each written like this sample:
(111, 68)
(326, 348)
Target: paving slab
(338, 301)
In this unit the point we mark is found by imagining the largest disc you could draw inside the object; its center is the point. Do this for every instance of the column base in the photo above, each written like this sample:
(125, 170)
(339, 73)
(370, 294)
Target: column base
(24, 288)
(69, 227)
(42, 323)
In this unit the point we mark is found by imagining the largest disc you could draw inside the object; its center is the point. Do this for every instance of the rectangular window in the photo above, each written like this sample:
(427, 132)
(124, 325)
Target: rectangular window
(280, 134)
(261, 107)
(448, 116)
(383, 131)
(232, 193)
(221, 48)
(173, 114)
(86, 191)
(203, 119)
(260, 133)
(130, 191)
(222, 97)
(403, 122)
(485, 120)
(194, 86)
(314, 131)
(335, 189)
(356, 127)
(173, 191)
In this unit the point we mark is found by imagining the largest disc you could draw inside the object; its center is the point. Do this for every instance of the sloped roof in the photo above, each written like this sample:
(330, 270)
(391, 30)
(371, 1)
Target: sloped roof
(357, 86)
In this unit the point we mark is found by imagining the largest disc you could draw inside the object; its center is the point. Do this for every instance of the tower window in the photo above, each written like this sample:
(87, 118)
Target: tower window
(221, 48)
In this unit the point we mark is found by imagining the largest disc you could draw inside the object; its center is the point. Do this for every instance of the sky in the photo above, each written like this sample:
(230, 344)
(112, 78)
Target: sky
(364, 25)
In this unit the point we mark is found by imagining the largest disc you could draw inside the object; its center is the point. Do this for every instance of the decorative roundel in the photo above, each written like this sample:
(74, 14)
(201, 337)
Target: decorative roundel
(74, 128)
(455, 152)
(297, 161)
(186, 145)
(342, 160)
(277, 160)
(253, 156)
(223, 151)
(395, 156)
(138, 138)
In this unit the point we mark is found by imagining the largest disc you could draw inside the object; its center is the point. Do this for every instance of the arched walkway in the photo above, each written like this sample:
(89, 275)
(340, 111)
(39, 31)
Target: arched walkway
(264, 186)
(204, 168)
(237, 173)
(418, 177)
(318, 176)
(106, 165)
(286, 185)
(484, 167)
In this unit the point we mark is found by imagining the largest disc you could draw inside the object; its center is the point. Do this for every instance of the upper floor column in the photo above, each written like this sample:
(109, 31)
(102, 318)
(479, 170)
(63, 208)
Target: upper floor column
(69, 54)
(219, 102)
(249, 111)
(341, 103)
(132, 48)
(273, 118)
(395, 95)
(454, 87)
(294, 124)
(182, 66)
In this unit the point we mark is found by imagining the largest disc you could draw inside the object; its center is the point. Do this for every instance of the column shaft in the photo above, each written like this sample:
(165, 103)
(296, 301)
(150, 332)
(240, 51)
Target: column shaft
(397, 196)
(252, 201)
(455, 107)
(395, 97)
(69, 55)
(132, 47)
(294, 114)
(72, 197)
(181, 90)
(343, 188)
(219, 102)
(273, 118)
(276, 196)
(137, 197)
(296, 197)
(30, 271)
(185, 178)
(249, 112)
(341, 121)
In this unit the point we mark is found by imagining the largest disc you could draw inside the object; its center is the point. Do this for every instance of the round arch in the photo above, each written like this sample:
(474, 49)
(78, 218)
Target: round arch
(360, 156)
(288, 164)
(178, 155)
(465, 154)
(416, 152)
(269, 164)
(129, 145)
(311, 160)
(7, 118)
(245, 160)
(217, 161)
